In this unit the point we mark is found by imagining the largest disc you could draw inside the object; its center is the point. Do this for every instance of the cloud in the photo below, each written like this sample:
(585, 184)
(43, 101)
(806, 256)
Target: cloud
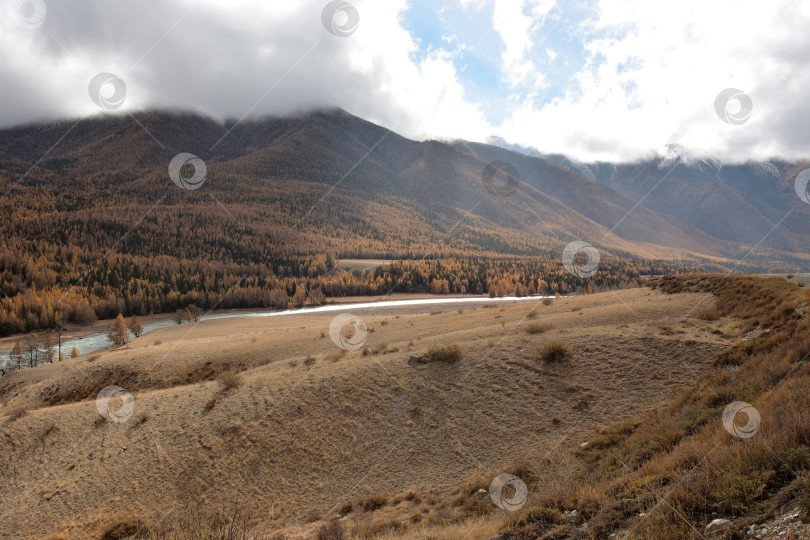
(652, 74)
(229, 58)
(601, 79)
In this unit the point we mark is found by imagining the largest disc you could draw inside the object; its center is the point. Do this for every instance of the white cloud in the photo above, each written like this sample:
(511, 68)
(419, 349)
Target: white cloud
(221, 57)
(650, 77)
(654, 71)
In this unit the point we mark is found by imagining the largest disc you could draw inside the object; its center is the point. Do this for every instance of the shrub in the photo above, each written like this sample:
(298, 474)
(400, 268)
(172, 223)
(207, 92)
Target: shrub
(708, 314)
(373, 502)
(346, 509)
(537, 328)
(449, 354)
(332, 531)
(555, 351)
(546, 301)
(229, 380)
(413, 496)
(17, 412)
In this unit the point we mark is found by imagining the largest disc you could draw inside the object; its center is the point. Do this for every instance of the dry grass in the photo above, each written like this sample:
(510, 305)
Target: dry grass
(15, 413)
(298, 442)
(682, 449)
(199, 522)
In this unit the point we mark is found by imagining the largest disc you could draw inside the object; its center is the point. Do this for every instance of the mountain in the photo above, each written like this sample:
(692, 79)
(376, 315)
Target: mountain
(751, 203)
(93, 224)
(409, 192)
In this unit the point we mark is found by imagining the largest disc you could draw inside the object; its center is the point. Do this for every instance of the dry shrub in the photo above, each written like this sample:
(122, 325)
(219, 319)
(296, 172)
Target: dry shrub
(449, 354)
(125, 529)
(199, 523)
(346, 509)
(229, 380)
(333, 530)
(533, 523)
(537, 328)
(373, 502)
(708, 314)
(369, 528)
(15, 413)
(555, 351)
(475, 507)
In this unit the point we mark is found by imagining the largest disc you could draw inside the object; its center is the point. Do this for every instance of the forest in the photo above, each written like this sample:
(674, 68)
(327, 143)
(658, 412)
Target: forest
(69, 285)
(100, 230)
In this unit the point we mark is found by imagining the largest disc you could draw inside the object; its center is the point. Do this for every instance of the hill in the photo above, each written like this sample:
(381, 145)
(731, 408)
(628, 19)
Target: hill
(308, 430)
(263, 427)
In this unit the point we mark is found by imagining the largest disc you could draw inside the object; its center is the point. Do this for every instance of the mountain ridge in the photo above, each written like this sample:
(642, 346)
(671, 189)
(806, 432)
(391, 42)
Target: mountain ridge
(347, 156)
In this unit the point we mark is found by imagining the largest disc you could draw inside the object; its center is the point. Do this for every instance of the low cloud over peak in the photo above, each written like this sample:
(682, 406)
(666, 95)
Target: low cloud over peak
(609, 79)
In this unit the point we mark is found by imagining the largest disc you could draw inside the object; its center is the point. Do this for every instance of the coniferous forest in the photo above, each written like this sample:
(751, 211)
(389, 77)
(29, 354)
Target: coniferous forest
(97, 228)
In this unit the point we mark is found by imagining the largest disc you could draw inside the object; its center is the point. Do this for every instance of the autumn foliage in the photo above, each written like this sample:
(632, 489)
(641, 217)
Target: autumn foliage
(118, 332)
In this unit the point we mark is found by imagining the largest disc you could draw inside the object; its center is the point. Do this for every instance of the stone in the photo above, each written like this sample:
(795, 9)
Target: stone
(717, 524)
(416, 359)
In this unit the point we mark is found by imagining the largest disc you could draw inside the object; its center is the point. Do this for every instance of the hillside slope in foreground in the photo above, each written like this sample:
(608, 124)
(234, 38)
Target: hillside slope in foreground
(264, 428)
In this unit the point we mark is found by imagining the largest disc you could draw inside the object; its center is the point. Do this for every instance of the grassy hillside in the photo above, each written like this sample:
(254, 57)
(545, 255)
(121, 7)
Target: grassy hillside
(266, 423)
(667, 473)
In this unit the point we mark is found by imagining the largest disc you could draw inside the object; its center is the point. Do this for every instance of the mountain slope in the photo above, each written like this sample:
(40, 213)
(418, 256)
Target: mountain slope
(327, 180)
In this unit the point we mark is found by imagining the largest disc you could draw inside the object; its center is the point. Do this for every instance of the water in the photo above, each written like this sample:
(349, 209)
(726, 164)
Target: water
(93, 343)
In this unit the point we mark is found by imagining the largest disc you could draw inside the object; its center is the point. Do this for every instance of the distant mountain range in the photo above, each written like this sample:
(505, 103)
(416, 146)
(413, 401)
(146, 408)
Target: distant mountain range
(329, 180)
(739, 203)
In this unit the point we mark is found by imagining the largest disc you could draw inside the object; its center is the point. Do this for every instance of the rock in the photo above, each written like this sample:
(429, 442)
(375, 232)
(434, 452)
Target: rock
(717, 524)
(585, 444)
(751, 530)
(416, 359)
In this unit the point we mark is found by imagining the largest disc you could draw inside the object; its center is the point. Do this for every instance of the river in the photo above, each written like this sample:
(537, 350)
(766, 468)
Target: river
(98, 342)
